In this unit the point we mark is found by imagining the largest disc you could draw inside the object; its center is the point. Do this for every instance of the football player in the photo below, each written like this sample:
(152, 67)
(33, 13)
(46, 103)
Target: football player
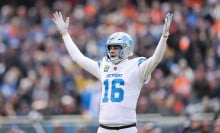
(121, 76)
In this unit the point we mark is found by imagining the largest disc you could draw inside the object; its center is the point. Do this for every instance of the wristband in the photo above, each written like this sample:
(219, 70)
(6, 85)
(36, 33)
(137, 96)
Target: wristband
(165, 36)
(63, 33)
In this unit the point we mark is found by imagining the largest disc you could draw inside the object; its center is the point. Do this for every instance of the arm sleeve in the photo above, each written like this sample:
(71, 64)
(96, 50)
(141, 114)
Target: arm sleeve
(86, 63)
(150, 64)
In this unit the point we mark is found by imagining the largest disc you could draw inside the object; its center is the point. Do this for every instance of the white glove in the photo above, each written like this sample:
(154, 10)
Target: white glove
(60, 24)
(166, 26)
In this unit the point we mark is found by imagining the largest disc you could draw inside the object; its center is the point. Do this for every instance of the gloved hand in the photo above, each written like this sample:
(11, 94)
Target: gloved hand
(166, 26)
(60, 24)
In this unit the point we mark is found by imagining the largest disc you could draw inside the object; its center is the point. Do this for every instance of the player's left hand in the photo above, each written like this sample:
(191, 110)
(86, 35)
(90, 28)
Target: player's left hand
(167, 23)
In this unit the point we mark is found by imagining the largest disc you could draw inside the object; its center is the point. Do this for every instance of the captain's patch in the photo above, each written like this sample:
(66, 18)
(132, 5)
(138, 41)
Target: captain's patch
(106, 68)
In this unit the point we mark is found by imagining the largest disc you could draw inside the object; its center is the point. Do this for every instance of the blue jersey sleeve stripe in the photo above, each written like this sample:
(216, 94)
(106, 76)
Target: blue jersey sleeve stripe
(141, 60)
(99, 63)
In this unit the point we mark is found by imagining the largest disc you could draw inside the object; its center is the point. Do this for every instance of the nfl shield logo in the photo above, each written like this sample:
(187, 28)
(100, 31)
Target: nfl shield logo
(106, 68)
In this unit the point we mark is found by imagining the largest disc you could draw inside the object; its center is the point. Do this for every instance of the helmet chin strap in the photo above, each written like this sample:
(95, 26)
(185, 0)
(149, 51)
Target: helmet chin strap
(116, 60)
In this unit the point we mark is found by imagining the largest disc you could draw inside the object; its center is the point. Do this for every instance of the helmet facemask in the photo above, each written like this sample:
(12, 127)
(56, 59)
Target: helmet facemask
(111, 53)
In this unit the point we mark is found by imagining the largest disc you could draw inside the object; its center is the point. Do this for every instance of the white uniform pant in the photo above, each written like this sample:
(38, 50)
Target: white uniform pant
(125, 130)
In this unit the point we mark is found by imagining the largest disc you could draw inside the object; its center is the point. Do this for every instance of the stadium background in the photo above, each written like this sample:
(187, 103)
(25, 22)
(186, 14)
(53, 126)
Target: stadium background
(42, 90)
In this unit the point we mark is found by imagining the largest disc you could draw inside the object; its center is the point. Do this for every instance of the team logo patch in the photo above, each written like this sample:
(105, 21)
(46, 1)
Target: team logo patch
(106, 68)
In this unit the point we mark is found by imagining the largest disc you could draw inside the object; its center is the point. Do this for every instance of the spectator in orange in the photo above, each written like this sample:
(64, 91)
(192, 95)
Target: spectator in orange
(181, 85)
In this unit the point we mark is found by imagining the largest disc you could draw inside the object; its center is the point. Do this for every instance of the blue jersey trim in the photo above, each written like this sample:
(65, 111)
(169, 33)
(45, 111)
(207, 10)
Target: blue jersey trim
(99, 63)
(141, 60)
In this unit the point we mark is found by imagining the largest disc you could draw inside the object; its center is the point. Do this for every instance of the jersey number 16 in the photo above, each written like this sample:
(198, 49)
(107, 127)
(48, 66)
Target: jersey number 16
(117, 93)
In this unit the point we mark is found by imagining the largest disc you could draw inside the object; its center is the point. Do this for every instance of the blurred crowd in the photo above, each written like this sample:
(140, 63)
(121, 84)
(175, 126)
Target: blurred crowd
(193, 125)
(38, 75)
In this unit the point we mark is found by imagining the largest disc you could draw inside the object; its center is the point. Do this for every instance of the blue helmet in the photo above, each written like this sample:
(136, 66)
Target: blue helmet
(123, 40)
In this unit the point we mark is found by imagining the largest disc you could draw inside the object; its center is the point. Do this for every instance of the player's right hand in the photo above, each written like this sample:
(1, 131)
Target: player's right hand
(60, 24)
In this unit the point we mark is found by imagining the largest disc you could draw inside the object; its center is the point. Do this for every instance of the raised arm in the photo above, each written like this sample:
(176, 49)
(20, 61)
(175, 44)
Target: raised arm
(157, 56)
(86, 63)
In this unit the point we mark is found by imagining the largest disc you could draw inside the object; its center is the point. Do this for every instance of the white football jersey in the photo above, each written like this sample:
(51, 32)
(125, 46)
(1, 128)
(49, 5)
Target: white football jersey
(121, 86)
